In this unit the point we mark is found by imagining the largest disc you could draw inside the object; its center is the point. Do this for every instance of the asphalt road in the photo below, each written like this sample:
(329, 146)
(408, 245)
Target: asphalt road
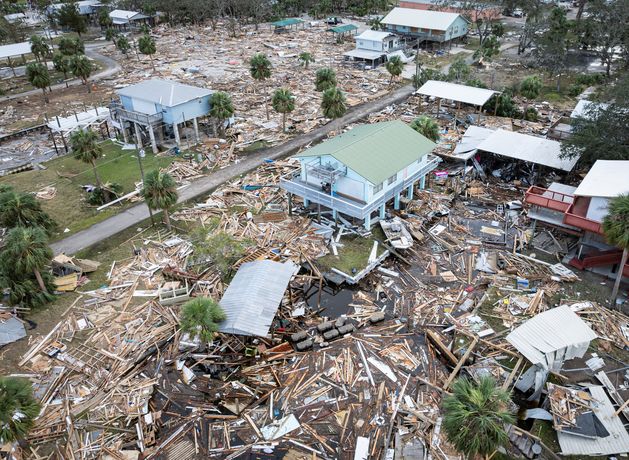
(111, 68)
(138, 213)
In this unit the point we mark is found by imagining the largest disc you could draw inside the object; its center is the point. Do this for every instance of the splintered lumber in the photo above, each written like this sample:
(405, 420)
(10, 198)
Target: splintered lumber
(443, 349)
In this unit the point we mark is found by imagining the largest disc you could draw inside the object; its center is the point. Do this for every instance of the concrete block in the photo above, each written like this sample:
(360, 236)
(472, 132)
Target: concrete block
(339, 322)
(325, 326)
(331, 334)
(299, 336)
(346, 329)
(306, 344)
(376, 317)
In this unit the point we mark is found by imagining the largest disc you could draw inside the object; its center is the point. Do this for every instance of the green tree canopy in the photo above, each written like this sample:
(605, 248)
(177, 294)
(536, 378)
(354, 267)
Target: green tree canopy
(333, 103)
(82, 68)
(394, 66)
(39, 77)
(85, 147)
(306, 59)
(474, 416)
(26, 252)
(123, 44)
(62, 64)
(616, 230)
(104, 20)
(18, 408)
(146, 45)
(221, 109)
(200, 317)
(160, 192)
(19, 209)
(71, 46)
(283, 102)
(459, 70)
(325, 78)
(68, 16)
(39, 47)
(260, 69)
(427, 127)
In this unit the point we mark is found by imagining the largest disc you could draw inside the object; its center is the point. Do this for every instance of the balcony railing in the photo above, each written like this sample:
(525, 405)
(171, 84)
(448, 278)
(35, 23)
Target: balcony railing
(118, 112)
(570, 218)
(545, 198)
(293, 184)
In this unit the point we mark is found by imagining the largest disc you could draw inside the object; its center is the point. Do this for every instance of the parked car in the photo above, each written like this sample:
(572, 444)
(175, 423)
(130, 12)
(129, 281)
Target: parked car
(333, 21)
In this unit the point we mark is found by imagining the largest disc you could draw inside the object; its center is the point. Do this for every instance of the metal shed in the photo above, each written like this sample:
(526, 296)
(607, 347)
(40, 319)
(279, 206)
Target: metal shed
(254, 295)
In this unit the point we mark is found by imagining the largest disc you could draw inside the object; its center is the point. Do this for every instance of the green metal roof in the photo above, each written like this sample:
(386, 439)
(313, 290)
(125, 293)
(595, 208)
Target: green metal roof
(287, 22)
(375, 151)
(343, 28)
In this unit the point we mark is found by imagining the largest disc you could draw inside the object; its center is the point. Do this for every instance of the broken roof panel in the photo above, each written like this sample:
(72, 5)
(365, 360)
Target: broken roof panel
(606, 178)
(583, 108)
(455, 92)
(472, 138)
(364, 54)
(523, 147)
(616, 443)
(164, 92)
(552, 337)
(254, 295)
(11, 330)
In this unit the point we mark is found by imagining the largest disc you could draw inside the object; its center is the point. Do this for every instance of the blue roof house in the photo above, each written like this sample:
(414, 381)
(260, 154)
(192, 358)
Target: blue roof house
(358, 172)
(157, 108)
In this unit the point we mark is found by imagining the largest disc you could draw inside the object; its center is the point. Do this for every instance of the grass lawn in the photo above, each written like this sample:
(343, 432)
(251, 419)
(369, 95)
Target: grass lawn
(69, 207)
(354, 253)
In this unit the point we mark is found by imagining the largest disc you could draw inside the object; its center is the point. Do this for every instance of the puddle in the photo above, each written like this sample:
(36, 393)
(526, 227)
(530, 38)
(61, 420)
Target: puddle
(334, 301)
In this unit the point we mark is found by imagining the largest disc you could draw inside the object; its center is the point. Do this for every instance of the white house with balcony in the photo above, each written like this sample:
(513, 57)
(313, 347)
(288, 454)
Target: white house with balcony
(358, 172)
(373, 46)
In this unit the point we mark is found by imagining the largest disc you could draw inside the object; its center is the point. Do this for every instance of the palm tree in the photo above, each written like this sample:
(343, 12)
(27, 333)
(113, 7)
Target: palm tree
(325, 79)
(39, 47)
(27, 252)
(146, 45)
(85, 147)
(427, 127)
(394, 67)
(333, 103)
(19, 209)
(283, 102)
(306, 58)
(160, 192)
(39, 77)
(260, 69)
(71, 46)
(123, 44)
(63, 64)
(474, 416)
(111, 34)
(82, 68)
(530, 88)
(616, 230)
(18, 408)
(221, 109)
(200, 317)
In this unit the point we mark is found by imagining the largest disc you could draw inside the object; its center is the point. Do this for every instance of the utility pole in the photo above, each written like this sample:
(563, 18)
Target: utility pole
(141, 153)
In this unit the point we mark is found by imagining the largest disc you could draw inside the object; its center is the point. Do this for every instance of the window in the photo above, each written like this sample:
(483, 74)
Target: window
(392, 179)
(377, 188)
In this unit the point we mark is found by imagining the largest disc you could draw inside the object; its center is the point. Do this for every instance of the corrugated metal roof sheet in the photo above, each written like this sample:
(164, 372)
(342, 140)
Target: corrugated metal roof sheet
(254, 295)
(455, 92)
(343, 28)
(550, 338)
(470, 141)
(616, 443)
(375, 151)
(11, 330)
(164, 92)
(527, 148)
(424, 19)
(364, 54)
(606, 178)
(287, 22)
(14, 49)
(583, 106)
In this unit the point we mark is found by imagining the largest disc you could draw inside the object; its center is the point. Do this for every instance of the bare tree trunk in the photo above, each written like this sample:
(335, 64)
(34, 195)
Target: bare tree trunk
(284, 122)
(45, 97)
(96, 174)
(167, 219)
(266, 103)
(623, 261)
(40, 281)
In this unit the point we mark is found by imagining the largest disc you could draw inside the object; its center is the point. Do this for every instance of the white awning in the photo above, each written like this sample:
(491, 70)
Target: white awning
(15, 49)
(364, 54)
(606, 178)
(527, 148)
(454, 92)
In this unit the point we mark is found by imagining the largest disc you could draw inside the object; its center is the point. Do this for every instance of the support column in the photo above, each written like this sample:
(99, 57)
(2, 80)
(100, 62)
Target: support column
(409, 192)
(125, 136)
(382, 211)
(290, 204)
(422, 183)
(334, 214)
(176, 130)
(306, 202)
(196, 129)
(367, 223)
(152, 136)
(396, 202)
(138, 136)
